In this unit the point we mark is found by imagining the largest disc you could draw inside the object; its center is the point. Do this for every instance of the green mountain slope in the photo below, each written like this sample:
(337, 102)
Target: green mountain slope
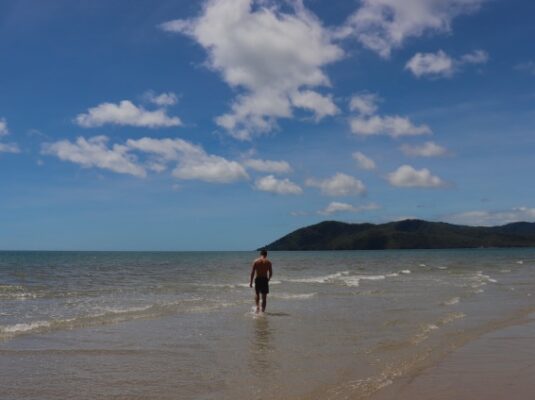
(407, 234)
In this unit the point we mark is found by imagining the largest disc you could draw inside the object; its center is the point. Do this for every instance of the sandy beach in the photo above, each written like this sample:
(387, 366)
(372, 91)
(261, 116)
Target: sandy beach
(498, 365)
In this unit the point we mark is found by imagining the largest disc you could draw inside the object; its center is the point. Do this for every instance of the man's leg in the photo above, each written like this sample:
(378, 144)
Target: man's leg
(257, 299)
(264, 301)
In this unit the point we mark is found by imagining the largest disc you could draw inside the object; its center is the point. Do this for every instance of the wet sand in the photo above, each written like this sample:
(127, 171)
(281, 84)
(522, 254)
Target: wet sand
(498, 365)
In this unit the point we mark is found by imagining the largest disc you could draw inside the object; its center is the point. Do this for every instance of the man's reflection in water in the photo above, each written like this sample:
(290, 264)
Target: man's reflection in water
(261, 346)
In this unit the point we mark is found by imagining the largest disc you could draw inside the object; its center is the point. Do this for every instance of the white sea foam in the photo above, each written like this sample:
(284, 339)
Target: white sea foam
(452, 301)
(520, 262)
(15, 292)
(233, 285)
(24, 327)
(321, 279)
(355, 280)
(451, 317)
(293, 296)
(405, 271)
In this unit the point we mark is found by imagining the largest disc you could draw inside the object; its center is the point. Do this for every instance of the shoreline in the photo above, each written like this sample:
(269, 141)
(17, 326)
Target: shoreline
(497, 365)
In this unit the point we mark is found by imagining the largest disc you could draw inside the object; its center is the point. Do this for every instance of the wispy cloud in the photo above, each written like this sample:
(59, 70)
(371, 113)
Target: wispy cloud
(268, 166)
(363, 161)
(493, 217)
(428, 149)
(3, 127)
(528, 66)
(338, 207)
(7, 147)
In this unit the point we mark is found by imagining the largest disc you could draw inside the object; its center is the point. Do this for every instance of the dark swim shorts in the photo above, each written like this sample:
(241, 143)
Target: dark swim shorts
(261, 285)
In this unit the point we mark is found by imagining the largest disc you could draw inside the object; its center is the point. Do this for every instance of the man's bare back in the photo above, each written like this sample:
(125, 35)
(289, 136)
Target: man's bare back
(263, 271)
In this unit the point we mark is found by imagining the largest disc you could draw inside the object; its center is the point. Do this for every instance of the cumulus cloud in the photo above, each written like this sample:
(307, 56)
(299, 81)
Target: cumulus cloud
(213, 169)
(268, 166)
(191, 161)
(279, 186)
(367, 123)
(95, 152)
(274, 58)
(496, 217)
(440, 64)
(126, 113)
(407, 176)
(162, 99)
(364, 103)
(428, 149)
(383, 25)
(337, 207)
(3, 127)
(338, 185)
(363, 161)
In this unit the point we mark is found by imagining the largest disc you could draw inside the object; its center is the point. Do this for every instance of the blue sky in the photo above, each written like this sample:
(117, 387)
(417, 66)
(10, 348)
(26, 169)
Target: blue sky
(224, 124)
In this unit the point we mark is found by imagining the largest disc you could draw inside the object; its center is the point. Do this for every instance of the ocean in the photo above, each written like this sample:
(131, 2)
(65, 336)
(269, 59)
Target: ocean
(165, 325)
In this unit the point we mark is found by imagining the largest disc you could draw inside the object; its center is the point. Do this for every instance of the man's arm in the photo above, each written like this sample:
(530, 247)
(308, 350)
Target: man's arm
(270, 272)
(252, 274)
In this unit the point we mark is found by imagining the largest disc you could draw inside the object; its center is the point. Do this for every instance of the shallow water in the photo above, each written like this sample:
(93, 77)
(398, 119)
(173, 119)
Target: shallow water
(181, 326)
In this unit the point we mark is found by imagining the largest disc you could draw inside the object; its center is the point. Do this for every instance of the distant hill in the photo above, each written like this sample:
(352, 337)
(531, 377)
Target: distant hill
(407, 234)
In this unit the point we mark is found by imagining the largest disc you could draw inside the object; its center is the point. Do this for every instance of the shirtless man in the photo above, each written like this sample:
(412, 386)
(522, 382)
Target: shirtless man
(262, 269)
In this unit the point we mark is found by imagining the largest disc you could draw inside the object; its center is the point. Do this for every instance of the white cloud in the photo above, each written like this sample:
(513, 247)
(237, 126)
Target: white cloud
(407, 176)
(437, 64)
(475, 57)
(363, 161)
(428, 149)
(366, 123)
(364, 103)
(268, 166)
(528, 66)
(127, 114)
(280, 186)
(3, 127)
(168, 149)
(213, 169)
(383, 25)
(95, 152)
(337, 207)
(489, 218)
(274, 58)
(322, 106)
(338, 185)
(193, 161)
(162, 99)
(9, 148)
(440, 64)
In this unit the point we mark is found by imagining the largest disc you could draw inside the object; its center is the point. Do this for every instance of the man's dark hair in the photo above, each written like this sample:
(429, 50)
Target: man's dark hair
(263, 252)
